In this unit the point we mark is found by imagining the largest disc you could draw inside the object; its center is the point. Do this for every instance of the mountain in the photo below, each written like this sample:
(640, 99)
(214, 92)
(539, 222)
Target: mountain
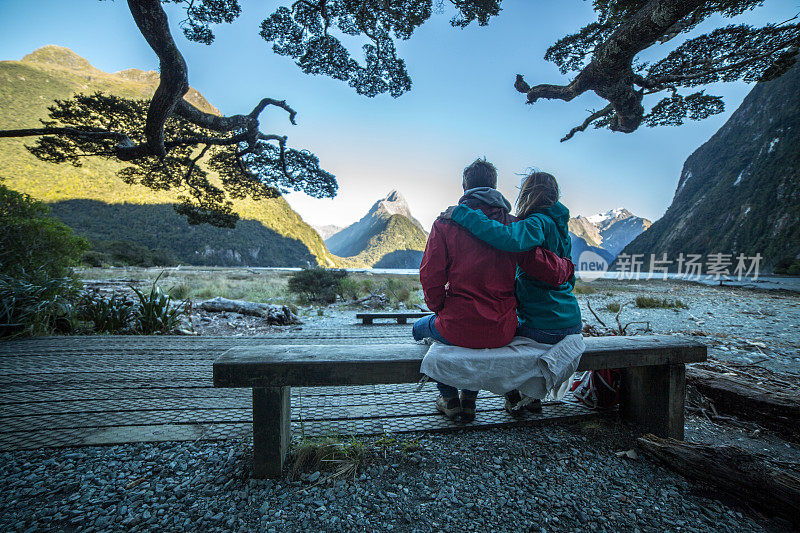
(97, 204)
(584, 228)
(619, 233)
(327, 230)
(388, 236)
(605, 234)
(740, 191)
(580, 245)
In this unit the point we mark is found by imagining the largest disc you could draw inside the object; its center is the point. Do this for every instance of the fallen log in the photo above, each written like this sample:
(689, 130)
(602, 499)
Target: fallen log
(275, 314)
(778, 410)
(732, 470)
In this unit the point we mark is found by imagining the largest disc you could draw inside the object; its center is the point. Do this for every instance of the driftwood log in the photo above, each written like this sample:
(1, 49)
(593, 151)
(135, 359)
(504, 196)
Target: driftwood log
(732, 470)
(775, 409)
(275, 314)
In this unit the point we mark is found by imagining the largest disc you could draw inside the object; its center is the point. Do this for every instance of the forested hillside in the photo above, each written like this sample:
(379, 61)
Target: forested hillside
(97, 204)
(740, 191)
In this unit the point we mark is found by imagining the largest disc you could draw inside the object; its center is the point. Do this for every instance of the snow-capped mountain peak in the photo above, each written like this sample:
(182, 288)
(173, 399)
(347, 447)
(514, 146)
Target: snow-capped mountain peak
(620, 213)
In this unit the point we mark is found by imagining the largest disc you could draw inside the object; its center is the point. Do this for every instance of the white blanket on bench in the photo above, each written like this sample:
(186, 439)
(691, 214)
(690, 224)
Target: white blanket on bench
(532, 368)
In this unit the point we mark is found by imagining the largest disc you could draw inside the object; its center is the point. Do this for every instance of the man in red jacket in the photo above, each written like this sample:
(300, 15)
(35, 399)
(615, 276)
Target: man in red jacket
(470, 285)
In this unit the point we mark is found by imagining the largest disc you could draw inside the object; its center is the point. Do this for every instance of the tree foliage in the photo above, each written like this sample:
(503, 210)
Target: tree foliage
(601, 55)
(36, 255)
(306, 31)
(263, 169)
(33, 241)
(169, 143)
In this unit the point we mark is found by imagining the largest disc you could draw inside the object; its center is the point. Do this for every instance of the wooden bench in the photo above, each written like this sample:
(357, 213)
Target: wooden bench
(652, 396)
(401, 317)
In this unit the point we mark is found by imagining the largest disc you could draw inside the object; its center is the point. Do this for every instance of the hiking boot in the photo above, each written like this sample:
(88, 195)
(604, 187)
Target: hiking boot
(534, 406)
(512, 405)
(467, 408)
(449, 407)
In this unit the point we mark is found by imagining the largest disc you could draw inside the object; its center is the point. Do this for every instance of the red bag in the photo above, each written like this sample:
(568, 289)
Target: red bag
(598, 389)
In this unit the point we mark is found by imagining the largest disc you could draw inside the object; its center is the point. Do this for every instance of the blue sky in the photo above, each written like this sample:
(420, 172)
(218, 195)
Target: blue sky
(462, 104)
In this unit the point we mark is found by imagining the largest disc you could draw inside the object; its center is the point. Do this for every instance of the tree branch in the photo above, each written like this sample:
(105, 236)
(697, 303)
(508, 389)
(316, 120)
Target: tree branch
(591, 118)
(610, 73)
(71, 132)
(152, 22)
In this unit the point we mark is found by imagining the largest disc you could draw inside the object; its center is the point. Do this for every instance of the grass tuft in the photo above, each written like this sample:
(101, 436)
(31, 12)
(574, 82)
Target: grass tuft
(650, 302)
(338, 458)
(583, 288)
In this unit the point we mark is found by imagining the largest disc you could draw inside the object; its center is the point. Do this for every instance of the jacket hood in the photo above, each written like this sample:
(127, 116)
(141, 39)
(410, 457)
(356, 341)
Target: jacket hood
(486, 196)
(560, 215)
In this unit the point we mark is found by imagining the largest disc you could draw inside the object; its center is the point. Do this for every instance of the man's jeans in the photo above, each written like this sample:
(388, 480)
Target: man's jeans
(547, 336)
(425, 328)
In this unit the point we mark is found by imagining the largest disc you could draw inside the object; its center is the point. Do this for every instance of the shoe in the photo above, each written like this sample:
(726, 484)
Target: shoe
(513, 399)
(449, 407)
(534, 406)
(467, 408)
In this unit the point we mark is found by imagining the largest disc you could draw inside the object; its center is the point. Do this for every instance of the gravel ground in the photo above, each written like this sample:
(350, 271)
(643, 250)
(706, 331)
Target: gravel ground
(562, 477)
(739, 325)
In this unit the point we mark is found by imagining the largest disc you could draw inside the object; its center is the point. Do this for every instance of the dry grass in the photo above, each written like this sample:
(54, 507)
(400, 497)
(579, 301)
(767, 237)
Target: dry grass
(583, 288)
(334, 457)
(650, 302)
(256, 285)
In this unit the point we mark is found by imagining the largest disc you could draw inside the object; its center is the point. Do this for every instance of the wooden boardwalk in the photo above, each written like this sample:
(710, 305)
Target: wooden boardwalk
(72, 391)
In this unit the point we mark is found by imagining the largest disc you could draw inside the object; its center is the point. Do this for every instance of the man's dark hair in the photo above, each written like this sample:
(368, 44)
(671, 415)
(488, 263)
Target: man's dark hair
(480, 173)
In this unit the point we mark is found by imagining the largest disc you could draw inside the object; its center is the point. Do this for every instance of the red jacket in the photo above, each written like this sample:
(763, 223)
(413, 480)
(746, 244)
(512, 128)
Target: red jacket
(470, 285)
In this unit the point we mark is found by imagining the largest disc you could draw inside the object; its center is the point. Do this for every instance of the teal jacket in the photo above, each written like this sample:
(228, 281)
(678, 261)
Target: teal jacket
(538, 305)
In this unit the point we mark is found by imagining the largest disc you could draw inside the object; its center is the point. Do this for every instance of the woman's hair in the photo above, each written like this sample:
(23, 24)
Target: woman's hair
(539, 191)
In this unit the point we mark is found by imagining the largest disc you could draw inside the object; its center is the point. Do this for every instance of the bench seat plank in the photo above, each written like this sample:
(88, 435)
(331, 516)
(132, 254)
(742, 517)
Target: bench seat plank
(274, 365)
(397, 314)
(401, 316)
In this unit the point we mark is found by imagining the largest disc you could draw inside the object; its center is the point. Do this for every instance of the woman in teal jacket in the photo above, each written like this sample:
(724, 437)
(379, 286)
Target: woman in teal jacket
(546, 314)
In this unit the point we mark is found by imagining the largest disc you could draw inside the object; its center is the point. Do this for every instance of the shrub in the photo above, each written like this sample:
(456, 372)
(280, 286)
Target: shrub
(650, 302)
(349, 288)
(368, 285)
(33, 241)
(37, 304)
(317, 284)
(788, 265)
(180, 291)
(155, 311)
(613, 307)
(397, 290)
(112, 315)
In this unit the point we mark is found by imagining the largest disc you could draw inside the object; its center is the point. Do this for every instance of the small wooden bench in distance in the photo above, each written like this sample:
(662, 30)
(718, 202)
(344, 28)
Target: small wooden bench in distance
(652, 396)
(401, 316)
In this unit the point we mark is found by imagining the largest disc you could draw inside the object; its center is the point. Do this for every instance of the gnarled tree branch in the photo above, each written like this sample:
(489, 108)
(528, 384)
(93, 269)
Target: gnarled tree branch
(610, 73)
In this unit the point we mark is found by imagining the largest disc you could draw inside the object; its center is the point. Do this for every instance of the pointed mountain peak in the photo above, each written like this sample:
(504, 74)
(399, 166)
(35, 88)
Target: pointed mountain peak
(393, 204)
(394, 196)
(58, 56)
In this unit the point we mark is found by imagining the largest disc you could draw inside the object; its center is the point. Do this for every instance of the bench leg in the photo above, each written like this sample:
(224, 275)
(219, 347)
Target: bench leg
(402, 320)
(652, 398)
(367, 320)
(271, 430)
